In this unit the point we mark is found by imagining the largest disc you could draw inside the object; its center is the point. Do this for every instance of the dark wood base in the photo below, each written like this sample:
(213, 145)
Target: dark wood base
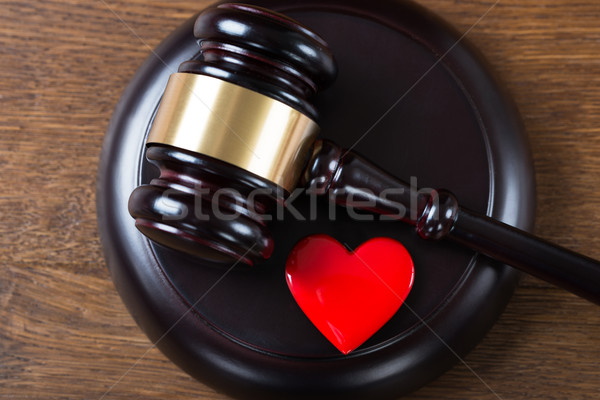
(454, 129)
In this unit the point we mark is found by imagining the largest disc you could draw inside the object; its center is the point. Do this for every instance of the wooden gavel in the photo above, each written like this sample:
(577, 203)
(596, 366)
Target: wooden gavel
(235, 134)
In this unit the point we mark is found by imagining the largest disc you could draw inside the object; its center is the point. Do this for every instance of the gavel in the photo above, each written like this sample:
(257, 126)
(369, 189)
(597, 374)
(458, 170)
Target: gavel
(235, 135)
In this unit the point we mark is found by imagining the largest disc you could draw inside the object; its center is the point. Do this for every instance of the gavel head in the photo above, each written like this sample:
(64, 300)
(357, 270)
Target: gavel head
(233, 134)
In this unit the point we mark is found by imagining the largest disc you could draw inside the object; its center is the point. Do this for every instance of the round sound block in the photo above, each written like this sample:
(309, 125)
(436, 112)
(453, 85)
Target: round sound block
(418, 103)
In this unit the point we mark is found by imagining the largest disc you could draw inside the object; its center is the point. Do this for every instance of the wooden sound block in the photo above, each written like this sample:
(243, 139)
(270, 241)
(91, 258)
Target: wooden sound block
(419, 103)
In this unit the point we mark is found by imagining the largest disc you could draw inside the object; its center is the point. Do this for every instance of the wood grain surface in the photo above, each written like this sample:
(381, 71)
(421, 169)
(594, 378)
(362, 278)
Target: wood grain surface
(64, 332)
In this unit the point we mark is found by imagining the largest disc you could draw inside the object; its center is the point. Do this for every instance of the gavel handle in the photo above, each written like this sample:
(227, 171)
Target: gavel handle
(562, 267)
(352, 181)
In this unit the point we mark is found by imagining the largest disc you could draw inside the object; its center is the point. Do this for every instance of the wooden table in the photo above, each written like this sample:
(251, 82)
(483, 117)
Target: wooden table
(64, 332)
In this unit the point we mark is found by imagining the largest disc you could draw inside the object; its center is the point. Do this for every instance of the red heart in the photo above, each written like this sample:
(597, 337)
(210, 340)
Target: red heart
(349, 295)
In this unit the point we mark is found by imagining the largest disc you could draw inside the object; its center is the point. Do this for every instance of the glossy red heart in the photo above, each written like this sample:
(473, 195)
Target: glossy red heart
(349, 295)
